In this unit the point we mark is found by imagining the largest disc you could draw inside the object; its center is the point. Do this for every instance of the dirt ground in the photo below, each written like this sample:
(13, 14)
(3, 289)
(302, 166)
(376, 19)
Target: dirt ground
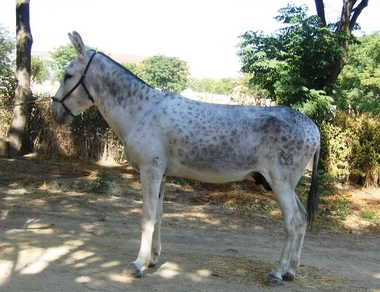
(74, 226)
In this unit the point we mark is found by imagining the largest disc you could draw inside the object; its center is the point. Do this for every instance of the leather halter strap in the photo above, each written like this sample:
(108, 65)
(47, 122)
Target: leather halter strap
(80, 82)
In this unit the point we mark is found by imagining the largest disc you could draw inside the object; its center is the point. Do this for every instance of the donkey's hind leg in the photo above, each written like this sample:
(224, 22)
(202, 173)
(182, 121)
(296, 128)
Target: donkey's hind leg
(295, 226)
(301, 230)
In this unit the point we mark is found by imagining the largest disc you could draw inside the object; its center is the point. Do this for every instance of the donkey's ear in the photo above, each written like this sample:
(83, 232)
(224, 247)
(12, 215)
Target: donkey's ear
(78, 44)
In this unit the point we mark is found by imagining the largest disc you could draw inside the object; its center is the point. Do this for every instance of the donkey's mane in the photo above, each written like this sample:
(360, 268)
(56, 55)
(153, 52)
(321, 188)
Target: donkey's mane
(130, 73)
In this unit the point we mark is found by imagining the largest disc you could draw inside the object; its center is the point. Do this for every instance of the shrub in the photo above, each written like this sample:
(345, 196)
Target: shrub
(326, 184)
(335, 150)
(365, 161)
(87, 137)
(351, 148)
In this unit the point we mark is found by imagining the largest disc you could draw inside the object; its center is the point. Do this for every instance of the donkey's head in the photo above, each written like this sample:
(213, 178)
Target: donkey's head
(73, 97)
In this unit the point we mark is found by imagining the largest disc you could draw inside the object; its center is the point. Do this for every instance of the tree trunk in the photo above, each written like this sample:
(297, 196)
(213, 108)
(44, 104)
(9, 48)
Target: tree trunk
(18, 142)
(346, 24)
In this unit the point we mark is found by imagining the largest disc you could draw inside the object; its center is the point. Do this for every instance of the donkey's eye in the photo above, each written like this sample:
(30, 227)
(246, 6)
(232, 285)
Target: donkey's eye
(67, 77)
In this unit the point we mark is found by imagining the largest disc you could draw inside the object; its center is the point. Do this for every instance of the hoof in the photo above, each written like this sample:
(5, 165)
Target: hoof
(133, 270)
(274, 281)
(152, 263)
(288, 276)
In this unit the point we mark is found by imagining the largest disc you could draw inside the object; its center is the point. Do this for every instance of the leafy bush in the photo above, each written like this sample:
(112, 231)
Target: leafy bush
(351, 148)
(326, 183)
(318, 106)
(365, 161)
(7, 89)
(336, 150)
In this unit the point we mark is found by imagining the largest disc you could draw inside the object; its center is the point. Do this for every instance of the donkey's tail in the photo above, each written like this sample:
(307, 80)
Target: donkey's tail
(313, 198)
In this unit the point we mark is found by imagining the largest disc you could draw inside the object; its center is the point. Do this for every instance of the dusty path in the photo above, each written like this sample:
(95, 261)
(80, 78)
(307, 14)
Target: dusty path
(61, 230)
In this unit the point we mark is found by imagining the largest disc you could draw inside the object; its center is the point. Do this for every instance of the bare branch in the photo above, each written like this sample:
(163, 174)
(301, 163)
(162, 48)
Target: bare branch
(356, 12)
(320, 6)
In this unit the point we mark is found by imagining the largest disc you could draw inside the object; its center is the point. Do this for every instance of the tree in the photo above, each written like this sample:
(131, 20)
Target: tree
(7, 80)
(301, 63)
(135, 68)
(359, 82)
(166, 73)
(39, 70)
(345, 26)
(7, 46)
(18, 129)
(63, 56)
(292, 63)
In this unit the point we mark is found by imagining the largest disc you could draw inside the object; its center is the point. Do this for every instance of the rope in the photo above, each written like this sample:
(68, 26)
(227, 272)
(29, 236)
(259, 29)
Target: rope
(38, 100)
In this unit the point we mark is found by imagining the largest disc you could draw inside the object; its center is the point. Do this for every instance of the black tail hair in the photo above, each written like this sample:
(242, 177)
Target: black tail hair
(313, 198)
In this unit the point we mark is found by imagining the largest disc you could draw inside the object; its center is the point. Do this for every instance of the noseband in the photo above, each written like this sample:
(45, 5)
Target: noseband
(80, 82)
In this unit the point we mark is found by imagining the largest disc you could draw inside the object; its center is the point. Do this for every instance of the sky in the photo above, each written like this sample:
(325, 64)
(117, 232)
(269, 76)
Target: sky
(204, 33)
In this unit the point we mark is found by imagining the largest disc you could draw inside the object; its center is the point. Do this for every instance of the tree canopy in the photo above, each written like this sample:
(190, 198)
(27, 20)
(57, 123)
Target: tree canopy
(166, 73)
(7, 47)
(63, 56)
(359, 82)
(40, 70)
(291, 64)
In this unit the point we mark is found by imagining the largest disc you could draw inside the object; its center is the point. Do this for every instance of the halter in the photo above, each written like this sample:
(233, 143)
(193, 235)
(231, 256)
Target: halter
(80, 82)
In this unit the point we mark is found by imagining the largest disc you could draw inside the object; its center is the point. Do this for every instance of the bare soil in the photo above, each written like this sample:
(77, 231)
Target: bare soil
(74, 226)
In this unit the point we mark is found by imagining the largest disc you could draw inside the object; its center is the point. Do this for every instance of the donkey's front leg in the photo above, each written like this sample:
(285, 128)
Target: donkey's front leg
(156, 244)
(151, 179)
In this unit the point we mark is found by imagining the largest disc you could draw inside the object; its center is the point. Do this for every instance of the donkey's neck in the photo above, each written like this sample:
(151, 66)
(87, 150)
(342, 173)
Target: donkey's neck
(118, 93)
(115, 83)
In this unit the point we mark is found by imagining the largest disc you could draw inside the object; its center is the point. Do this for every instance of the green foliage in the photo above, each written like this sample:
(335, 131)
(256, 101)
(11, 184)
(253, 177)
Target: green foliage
(318, 107)
(166, 73)
(336, 150)
(7, 78)
(7, 47)
(339, 207)
(331, 203)
(133, 67)
(359, 81)
(351, 148)
(100, 185)
(365, 161)
(7, 89)
(326, 185)
(40, 70)
(7, 63)
(292, 64)
(63, 56)
(368, 215)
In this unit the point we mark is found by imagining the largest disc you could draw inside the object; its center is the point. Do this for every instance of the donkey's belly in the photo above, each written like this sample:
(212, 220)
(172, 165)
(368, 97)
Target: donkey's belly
(210, 176)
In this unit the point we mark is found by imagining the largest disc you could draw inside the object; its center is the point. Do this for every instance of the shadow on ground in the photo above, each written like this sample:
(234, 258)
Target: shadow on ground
(74, 226)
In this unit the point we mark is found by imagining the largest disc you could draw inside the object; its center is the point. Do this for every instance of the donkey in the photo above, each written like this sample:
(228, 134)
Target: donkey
(166, 134)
